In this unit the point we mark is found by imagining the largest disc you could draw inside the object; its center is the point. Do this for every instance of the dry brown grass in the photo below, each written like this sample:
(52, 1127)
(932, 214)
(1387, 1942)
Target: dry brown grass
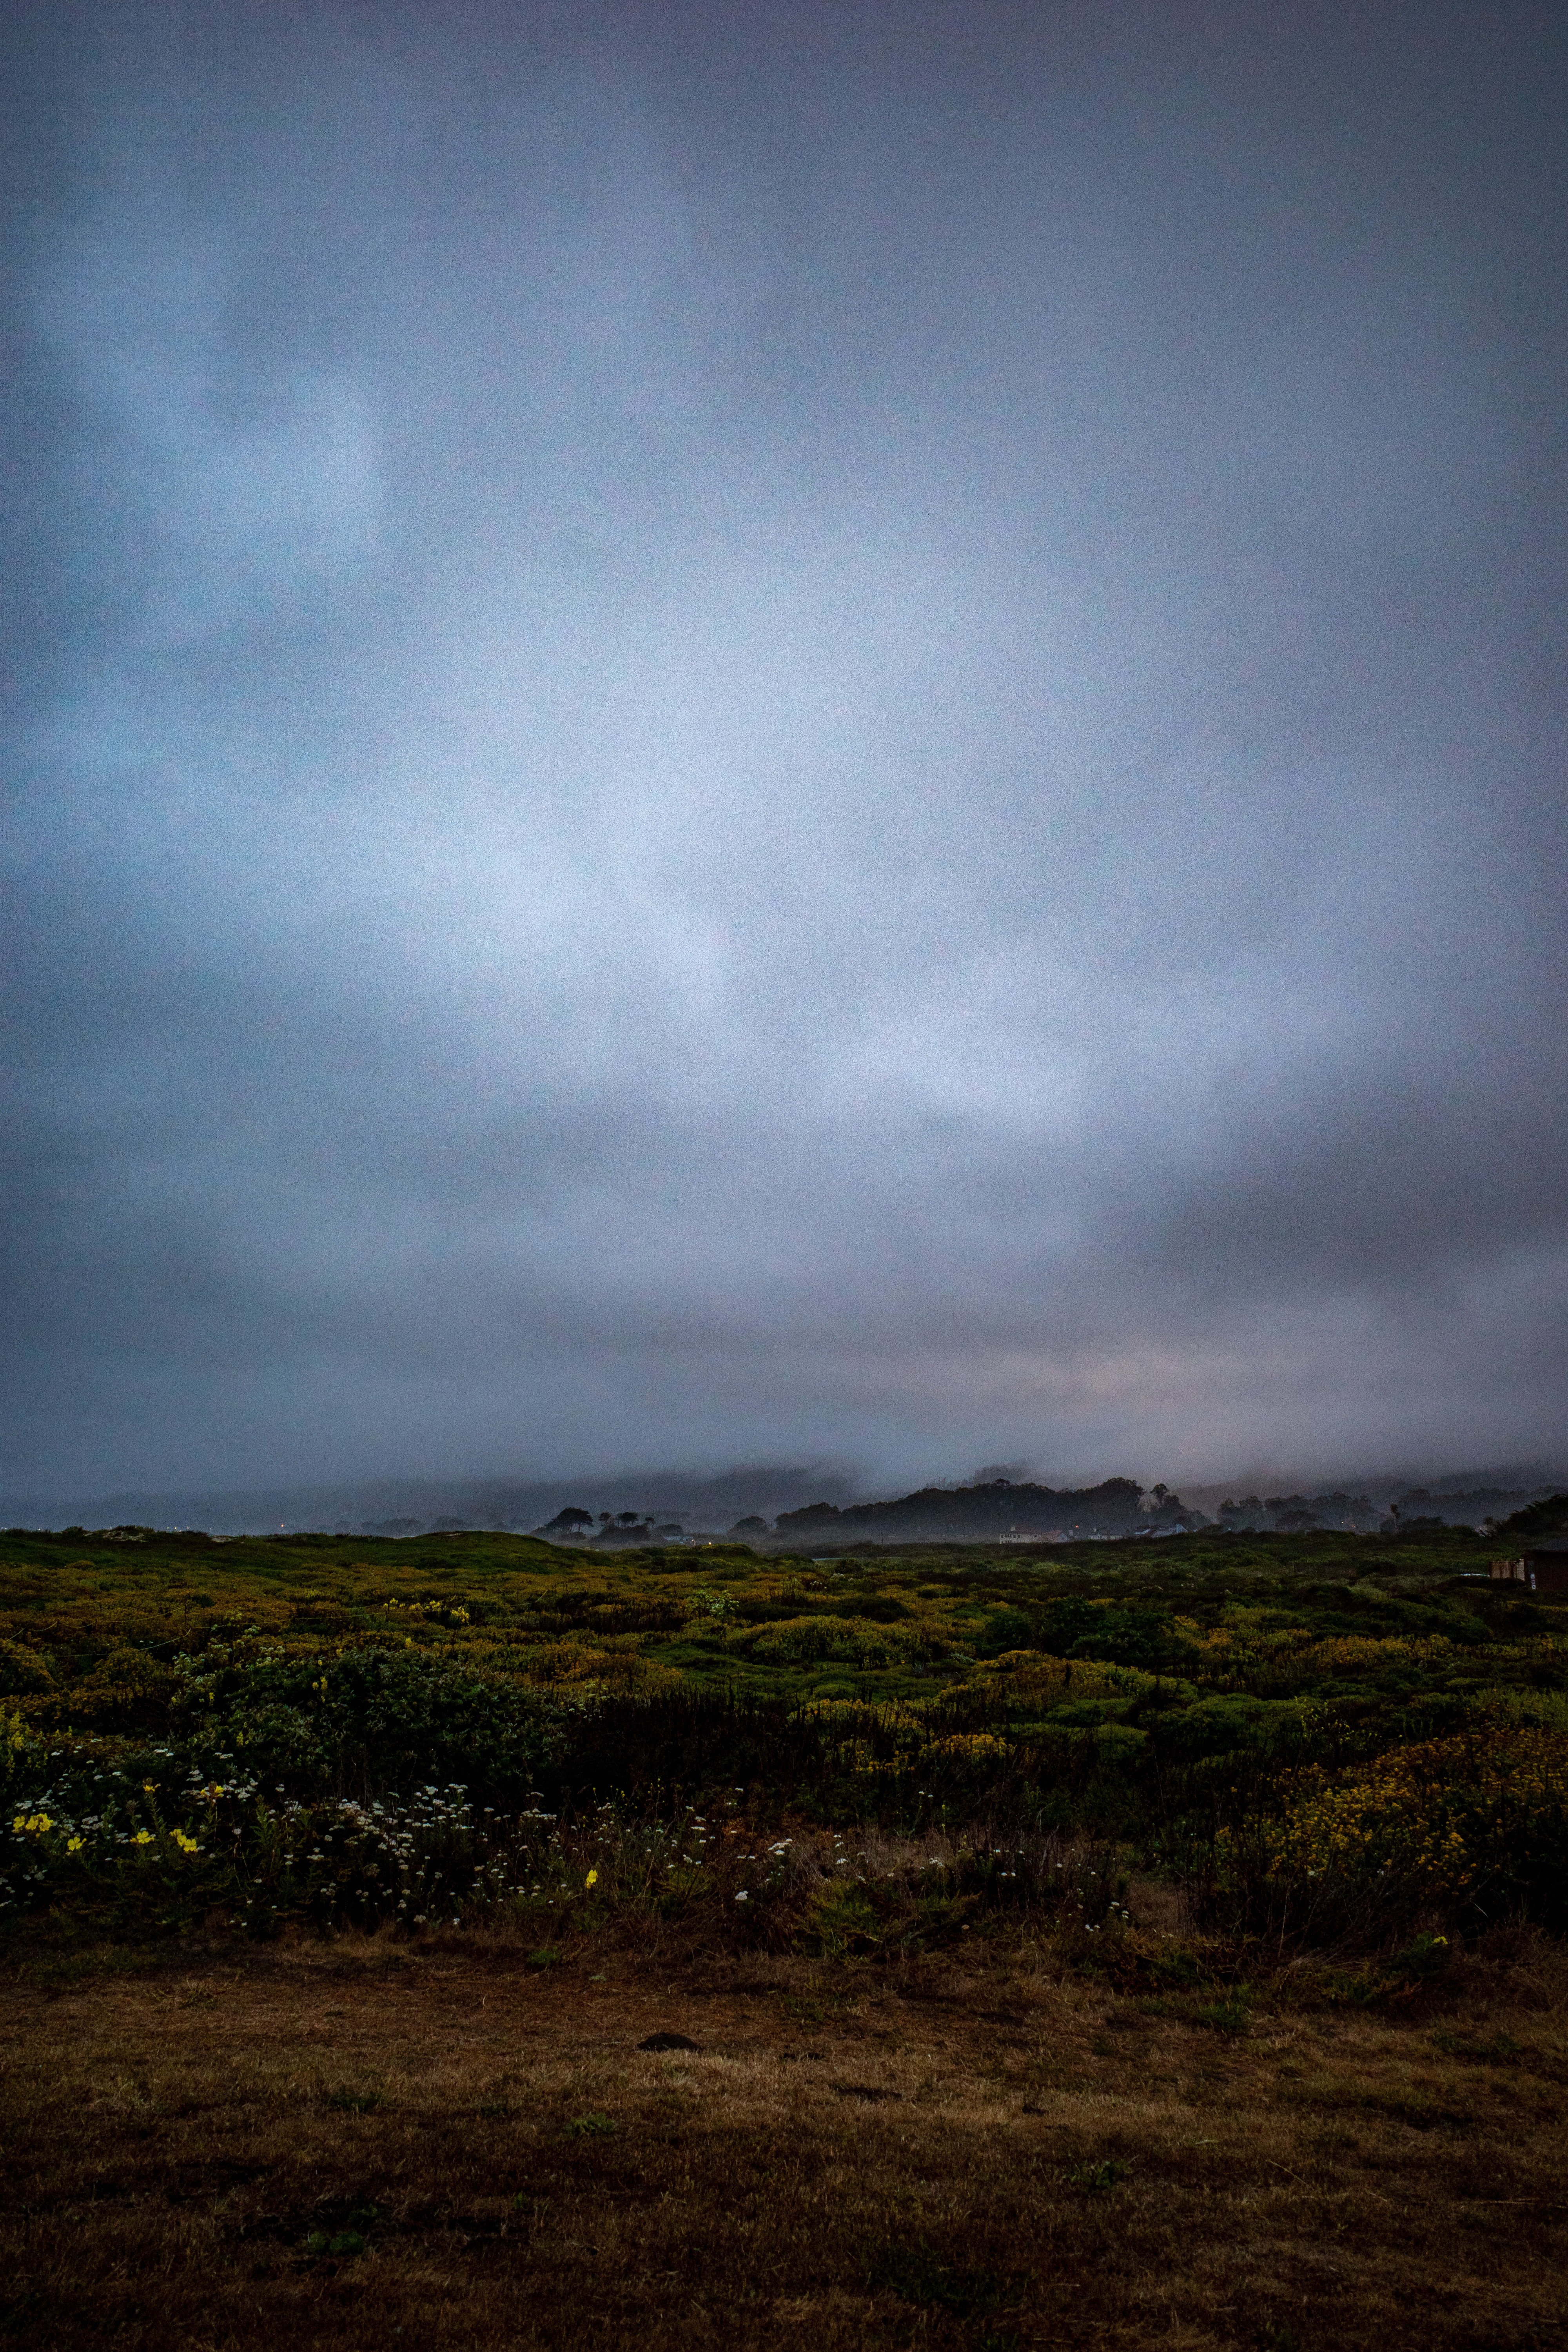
(988, 2151)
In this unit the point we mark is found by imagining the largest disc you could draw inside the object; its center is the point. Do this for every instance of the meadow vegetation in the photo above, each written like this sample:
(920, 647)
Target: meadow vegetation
(1089, 1942)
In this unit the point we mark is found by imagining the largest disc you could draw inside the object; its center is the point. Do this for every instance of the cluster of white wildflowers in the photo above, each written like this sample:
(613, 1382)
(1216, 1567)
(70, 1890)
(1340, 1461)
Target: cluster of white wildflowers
(539, 1858)
(433, 1858)
(552, 1860)
(1089, 1902)
(773, 1868)
(415, 1858)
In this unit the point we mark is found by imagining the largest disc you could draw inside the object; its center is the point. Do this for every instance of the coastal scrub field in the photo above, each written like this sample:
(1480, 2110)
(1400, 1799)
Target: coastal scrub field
(478, 1942)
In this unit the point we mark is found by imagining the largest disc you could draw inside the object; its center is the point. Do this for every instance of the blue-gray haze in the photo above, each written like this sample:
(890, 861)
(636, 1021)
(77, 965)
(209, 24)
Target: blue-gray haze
(782, 732)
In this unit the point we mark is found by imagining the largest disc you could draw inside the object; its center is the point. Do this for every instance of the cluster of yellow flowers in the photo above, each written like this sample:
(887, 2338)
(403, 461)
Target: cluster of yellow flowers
(1431, 1812)
(1030, 1676)
(1240, 1651)
(969, 1746)
(1372, 1650)
(956, 1747)
(601, 1661)
(902, 1717)
(39, 1826)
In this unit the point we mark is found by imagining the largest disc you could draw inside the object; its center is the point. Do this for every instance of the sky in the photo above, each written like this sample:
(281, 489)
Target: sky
(824, 733)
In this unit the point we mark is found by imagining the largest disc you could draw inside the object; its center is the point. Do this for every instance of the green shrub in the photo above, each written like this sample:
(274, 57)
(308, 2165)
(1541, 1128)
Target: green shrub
(375, 1719)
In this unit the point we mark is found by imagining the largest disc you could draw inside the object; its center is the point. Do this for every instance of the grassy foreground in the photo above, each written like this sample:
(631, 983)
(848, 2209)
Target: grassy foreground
(357, 2143)
(1106, 1944)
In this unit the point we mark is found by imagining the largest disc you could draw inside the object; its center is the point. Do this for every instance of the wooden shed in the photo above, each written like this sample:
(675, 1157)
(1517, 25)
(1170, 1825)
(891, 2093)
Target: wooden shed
(1546, 1570)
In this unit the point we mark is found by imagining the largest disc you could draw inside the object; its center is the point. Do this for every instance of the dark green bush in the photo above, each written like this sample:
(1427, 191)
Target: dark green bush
(365, 1719)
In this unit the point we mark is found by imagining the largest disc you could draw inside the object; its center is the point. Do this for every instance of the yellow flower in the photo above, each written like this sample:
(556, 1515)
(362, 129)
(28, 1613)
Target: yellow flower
(147, 1784)
(142, 1837)
(18, 1824)
(592, 1879)
(73, 1845)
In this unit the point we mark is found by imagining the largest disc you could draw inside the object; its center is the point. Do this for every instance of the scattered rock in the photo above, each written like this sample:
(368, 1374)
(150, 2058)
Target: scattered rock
(669, 2042)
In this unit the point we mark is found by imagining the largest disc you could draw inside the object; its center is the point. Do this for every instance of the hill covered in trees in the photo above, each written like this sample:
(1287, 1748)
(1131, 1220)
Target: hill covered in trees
(976, 1514)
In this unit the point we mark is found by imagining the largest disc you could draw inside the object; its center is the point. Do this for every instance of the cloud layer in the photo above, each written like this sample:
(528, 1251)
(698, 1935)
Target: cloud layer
(821, 733)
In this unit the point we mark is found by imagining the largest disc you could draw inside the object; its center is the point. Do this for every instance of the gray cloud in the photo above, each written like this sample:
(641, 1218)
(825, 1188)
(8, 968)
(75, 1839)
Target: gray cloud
(833, 737)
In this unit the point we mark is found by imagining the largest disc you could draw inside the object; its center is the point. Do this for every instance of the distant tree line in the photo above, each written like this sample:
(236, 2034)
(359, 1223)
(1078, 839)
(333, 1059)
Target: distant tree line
(995, 1509)
(1115, 1508)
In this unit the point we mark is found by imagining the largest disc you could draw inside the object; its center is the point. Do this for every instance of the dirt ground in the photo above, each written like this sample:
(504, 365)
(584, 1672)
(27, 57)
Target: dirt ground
(362, 2144)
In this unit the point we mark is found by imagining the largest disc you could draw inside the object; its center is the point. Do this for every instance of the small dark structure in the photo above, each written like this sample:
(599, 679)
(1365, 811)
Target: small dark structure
(1546, 1570)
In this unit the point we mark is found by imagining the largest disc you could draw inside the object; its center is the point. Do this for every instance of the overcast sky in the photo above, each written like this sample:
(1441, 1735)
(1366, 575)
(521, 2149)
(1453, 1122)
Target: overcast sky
(785, 732)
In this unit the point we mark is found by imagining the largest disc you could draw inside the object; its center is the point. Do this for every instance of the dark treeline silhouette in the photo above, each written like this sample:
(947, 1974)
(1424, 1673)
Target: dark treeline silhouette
(966, 1514)
(995, 1509)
